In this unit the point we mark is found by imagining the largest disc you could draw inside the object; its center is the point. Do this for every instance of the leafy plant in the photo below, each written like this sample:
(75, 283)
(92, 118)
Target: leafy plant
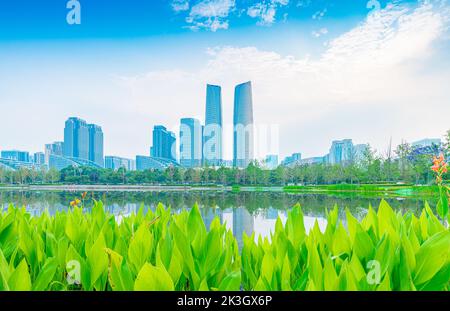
(160, 250)
(408, 253)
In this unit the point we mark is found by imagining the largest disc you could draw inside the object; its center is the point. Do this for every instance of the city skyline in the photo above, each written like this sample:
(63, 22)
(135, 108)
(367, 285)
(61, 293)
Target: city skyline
(346, 71)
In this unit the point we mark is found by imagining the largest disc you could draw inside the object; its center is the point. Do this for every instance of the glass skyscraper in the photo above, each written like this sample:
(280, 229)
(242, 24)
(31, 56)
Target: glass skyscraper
(39, 158)
(191, 142)
(341, 152)
(76, 139)
(83, 141)
(163, 143)
(56, 148)
(243, 141)
(96, 144)
(212, 135)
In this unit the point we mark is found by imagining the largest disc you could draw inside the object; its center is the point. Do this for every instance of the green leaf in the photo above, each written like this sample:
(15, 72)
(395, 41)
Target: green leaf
(231, 282)
(432, 256)
(152, 278)
(267, 267)
(140, 247)
(363, 246)
(45, 275)
(97, 259)
(286, 275)
(442, 205)
(330, 278)
(20, 279)
(120, 277)
(385, 284)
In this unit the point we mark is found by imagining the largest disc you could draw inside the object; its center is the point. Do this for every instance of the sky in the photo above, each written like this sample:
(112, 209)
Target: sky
(321, 70)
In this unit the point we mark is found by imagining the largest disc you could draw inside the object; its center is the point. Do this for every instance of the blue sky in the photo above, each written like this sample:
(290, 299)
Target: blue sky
(337, 69)
(37, 20)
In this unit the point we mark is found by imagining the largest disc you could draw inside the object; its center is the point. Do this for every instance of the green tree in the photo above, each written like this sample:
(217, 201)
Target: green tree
(403, 151)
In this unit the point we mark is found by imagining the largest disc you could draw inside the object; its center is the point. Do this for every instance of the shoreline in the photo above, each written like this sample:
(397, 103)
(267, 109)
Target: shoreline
(388, 191)
(107, 188)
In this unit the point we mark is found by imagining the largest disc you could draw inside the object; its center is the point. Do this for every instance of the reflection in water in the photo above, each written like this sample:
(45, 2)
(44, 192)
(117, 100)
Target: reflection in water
(242, 222)
(241, 212)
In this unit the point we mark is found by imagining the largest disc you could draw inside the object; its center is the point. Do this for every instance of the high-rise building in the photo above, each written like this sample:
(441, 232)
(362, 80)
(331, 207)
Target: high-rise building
(243, 141)
(292, 160)
(56, 148)
(163, 143)
(16, 155)
(96, 144)
(114, 163)
(83, 141)
(212, 134)
(191, 142)
(341, 152)
(39, 158)
(76, 139)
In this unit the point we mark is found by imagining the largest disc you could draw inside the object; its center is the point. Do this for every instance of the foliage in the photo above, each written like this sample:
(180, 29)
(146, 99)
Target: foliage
(410, 166)
(407, 253)
(155, 251)
(162, 250)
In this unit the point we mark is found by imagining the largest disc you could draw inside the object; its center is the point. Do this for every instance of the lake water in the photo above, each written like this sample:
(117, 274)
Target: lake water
(242, 212)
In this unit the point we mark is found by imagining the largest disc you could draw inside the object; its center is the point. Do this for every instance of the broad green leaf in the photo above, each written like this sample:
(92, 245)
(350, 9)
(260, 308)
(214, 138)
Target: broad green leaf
(385, 284)
(231, 282)
(20, 279)
(152, 278)
(140, 247)
(432, 256)
(45, 275)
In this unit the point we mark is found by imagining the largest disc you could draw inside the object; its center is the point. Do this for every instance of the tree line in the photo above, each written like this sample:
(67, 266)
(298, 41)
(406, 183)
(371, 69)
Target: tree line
(404, 164)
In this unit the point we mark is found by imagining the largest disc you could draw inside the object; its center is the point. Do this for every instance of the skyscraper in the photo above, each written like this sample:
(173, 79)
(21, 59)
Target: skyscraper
(83, 141)
(212, 135)
(96, 144)
(243, 125)
(56, 148)
(76, 139)
(341, 152)
(163, 143)
(39, 158)
(191, 142)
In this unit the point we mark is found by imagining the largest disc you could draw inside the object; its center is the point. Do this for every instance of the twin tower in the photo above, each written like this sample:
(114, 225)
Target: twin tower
(200, 144)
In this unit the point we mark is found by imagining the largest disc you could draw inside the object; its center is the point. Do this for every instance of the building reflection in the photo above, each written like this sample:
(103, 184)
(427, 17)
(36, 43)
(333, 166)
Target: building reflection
(208, 215)
(243, 221)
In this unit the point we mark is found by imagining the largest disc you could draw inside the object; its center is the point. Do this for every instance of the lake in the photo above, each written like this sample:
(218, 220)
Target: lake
(242, 212)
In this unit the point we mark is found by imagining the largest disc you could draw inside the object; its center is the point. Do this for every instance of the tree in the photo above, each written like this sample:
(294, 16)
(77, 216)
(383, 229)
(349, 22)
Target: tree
(403, 151)
(2, 175)
(447, 143)
(53, 175)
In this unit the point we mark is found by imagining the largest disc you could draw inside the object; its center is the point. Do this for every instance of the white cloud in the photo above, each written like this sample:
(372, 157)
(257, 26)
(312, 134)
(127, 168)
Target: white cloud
(210, 14)
(265, 11)
(368, 84)
(320, 32)
(180, 5)
(319, 14)
(303, 3)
